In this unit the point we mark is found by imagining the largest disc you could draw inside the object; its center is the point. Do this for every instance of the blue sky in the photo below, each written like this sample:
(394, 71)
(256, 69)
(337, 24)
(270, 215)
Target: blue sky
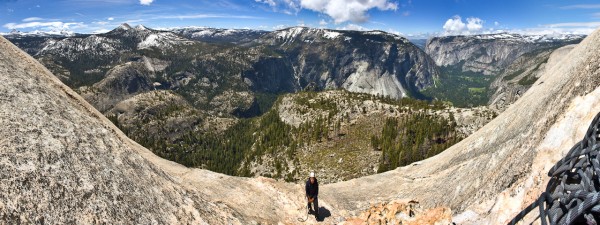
(406, 17)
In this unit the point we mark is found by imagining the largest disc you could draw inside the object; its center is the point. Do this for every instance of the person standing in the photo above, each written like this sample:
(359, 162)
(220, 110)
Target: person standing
(312, 193)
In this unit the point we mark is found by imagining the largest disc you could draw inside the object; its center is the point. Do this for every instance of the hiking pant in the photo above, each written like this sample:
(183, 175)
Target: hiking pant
(315, 204)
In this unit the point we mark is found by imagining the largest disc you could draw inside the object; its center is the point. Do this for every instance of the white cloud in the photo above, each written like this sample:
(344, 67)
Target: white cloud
(37, 24)
(347, 10)
(352, 26)
(474, 24)
(456, 26)
(339, 10)
(32, 19)
(146, 2)
(111, 18)
(46, 26)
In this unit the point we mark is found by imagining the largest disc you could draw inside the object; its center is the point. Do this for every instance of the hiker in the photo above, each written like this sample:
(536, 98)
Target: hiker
(312, 193)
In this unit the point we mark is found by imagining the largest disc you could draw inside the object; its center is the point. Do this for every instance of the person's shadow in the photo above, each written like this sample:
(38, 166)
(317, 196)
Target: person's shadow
(323, 213)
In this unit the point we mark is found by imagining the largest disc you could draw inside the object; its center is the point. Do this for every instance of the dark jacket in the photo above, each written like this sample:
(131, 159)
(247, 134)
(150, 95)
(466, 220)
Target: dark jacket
(312, 190)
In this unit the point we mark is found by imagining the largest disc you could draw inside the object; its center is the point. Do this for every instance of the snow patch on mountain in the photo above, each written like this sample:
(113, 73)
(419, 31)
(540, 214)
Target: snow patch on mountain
(38, 33)
(70, 46)
(331, 34)
(289, 35)
(161, 40)
(529, 38)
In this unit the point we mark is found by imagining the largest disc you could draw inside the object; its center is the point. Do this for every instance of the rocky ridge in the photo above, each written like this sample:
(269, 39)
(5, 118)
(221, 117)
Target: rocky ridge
(489, 54)
(372, 62)
(511, 84)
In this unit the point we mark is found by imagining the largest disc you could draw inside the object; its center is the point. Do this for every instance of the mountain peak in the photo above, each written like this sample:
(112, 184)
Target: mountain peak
(140, 27)
(123, 26)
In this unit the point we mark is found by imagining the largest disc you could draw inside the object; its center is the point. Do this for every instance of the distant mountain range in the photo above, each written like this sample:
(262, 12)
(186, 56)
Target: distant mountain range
(285, 60)
(208, 64)
(297, 58)
(490, 54)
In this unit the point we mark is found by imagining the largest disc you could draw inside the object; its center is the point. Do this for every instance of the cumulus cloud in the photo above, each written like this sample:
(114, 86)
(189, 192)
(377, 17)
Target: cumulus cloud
(339, 10)
(455, 25)
(111, 18)
(474, 24)
(146, 2)
(352, 26)
(347, 10)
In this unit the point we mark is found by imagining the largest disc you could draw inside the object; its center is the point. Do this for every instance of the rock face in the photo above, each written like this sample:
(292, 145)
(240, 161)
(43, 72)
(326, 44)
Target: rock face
(402, 212)
(500, 169)
(63, 162)
(511, 84)
(489, 54)
(368, 62)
